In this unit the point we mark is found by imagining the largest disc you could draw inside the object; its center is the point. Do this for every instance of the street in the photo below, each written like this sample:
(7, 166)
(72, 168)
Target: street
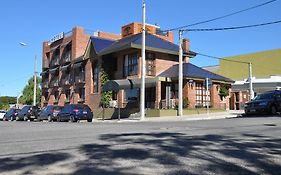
(224, 146)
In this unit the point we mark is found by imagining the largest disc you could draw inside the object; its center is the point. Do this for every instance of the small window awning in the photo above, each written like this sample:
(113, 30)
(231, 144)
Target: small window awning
(116, 85)
(44, 73)
(77, 65)
(65, 68)
(65, 44)
(52, 71)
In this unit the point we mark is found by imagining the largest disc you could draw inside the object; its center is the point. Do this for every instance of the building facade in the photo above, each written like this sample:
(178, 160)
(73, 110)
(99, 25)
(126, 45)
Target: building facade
(79, 79)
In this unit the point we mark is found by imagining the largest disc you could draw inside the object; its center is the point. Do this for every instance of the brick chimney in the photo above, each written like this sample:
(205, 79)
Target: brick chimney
(185, 47)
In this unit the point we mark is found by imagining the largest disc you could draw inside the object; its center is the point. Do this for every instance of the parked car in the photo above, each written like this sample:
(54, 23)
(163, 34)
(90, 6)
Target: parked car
(28, 112)
(265, 103)
(49, 113)
(11, 114)
(75, 112)
(2, 113)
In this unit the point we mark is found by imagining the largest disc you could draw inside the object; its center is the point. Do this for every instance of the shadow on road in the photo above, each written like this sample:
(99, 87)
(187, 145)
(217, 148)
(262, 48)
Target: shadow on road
(177, 153)
(164, 153)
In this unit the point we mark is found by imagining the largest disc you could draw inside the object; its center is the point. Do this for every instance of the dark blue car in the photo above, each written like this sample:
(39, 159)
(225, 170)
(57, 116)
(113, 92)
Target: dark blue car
(11, 114)
(49, 113)
(75, 112)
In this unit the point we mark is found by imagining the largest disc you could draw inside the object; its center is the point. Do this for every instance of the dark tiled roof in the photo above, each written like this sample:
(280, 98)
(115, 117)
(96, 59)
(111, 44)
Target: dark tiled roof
(101, 43)
(192, 71)
(153, 43)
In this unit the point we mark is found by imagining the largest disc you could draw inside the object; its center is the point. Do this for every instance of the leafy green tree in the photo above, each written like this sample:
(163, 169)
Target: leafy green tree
(8, 100)
(27, 93)
(223, 91)
(106, 96)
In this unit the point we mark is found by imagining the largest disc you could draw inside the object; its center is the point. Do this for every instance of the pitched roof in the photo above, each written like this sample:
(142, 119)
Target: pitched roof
(100, 43)
(153, 43)
(192, 71)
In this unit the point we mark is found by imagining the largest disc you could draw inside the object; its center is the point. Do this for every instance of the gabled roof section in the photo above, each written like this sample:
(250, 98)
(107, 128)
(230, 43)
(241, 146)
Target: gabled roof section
(153, 43)
(100, 43)
(192, 71)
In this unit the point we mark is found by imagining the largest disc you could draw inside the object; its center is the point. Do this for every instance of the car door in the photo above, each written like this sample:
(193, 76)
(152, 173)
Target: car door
(278, 101)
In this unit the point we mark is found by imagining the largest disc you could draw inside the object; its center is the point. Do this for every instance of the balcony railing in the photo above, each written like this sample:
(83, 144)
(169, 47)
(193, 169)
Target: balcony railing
(80, 78)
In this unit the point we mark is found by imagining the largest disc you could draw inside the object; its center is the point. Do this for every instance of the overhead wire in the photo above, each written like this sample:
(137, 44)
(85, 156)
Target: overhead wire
(231, 28)
(220, 17)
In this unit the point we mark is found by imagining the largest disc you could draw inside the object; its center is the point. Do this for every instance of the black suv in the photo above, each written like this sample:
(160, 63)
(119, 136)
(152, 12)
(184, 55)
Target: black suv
(28, 112)
(265, 103)
(49, 113)
(75, 112)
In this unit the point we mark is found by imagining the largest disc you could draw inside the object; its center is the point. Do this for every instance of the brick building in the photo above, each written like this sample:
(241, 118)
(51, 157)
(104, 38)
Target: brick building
(79, 80)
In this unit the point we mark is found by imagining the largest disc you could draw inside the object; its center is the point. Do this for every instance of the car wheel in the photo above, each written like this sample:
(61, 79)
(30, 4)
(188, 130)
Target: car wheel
(89, 120)
(50, 119)
(273, 110)
(59, 119)
(17, 118)
(72, 119)
(25, 118)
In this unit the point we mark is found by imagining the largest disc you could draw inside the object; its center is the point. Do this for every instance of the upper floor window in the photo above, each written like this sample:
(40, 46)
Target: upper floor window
(150, 64)
(96, 77)
(130, 66)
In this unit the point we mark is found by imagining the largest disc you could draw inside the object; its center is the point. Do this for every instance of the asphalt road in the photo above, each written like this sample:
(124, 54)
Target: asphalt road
(225, 146)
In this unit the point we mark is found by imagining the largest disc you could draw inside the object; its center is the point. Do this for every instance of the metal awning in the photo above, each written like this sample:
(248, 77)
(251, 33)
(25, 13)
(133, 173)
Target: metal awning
(116, 85)
(52, 71)
(77, 65)
(44, 72)
(64, 68)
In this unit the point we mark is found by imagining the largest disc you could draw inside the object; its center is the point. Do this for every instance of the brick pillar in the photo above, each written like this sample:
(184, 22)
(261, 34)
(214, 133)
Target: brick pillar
(158, 95)
(215, 98)
(120, 98)
(191, 94)
(185, 49)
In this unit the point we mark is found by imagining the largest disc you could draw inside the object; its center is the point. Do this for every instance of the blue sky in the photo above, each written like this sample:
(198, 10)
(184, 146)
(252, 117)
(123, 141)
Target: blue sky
(33, 21)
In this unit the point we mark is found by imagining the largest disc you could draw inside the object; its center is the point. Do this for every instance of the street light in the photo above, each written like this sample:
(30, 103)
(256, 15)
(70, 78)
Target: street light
(35, 82)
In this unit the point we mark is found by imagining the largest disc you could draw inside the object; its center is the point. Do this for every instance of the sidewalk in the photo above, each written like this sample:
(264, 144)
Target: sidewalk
(210, 116)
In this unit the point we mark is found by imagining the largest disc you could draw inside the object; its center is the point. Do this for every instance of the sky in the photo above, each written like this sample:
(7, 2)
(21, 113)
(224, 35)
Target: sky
(33, 21)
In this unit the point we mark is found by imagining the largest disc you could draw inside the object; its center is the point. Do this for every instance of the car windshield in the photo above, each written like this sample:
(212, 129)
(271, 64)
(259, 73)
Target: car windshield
(25, 109)
(264, 96)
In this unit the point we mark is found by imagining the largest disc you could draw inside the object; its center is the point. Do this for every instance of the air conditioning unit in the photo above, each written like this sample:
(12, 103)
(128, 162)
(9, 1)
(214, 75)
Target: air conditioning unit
(113, 104)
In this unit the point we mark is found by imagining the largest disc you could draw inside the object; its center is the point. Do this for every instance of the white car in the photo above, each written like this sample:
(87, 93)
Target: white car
(2, 113)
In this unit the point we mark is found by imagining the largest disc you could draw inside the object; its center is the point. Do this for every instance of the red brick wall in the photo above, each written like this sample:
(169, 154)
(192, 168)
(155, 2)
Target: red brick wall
(108, 35)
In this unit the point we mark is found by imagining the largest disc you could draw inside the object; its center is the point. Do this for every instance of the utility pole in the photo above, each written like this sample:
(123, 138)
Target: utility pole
(180, 75)
(250, 82)
(142, 92)
(207, 95)
(35, 82)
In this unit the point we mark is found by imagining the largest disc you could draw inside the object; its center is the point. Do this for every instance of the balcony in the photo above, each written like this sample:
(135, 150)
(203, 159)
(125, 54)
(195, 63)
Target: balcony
(45, 84)
(80, 78)
(55, 61)
(66, 58)
(55, 83)
(66, 80)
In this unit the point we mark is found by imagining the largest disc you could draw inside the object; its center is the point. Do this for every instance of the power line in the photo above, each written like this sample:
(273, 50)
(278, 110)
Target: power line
(218, 58)
(231, 28)
(221, 17)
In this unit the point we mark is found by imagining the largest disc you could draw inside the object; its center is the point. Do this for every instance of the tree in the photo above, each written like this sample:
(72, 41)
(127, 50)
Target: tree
(223, 91)
(106, 96)
(27, 93)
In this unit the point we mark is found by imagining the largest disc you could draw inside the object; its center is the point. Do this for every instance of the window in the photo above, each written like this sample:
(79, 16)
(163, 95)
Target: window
(67, 95)
(131, 94)
(130, 66)
(202, 97)
(96, 77)
(82, 94)
(56, 94)
(150, 65)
